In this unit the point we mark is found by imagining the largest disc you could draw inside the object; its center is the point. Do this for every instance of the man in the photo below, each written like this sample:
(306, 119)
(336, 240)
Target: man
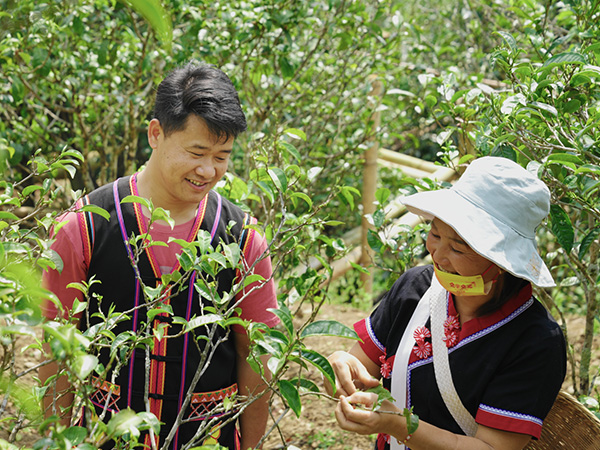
(196, 119)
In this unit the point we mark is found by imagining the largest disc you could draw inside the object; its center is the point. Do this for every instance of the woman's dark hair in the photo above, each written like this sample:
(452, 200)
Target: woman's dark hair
(204, 91)
(510, 287)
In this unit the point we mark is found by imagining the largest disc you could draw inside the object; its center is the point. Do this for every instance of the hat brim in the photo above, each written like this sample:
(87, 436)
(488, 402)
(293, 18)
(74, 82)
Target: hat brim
(486, 235)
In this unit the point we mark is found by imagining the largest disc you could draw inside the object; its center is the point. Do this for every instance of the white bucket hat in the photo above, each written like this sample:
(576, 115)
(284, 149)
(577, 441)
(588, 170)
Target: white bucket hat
(495, 207)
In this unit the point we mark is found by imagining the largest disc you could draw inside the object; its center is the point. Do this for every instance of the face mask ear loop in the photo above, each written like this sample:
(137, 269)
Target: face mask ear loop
(494, 280)
(497, 275)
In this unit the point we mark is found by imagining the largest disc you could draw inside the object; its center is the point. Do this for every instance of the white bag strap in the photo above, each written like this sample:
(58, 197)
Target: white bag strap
(435, 297)
(399, 384)
(441, 364)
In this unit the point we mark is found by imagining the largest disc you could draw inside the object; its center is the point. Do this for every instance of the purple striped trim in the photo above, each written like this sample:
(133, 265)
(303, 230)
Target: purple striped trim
(188, 315)
(86, 201)
(372, 335)
(511, 414)
(493, 327)
(465, 341)
(101, 406)
(217, 217)
(121, 220)
(244, 229)
(137, 281)
(135, 322)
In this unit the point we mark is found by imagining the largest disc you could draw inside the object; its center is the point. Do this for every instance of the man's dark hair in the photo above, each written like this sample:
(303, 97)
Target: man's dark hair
(204, 91)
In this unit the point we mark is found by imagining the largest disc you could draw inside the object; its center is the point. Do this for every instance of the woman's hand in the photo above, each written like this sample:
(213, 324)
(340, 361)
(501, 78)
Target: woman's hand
(355, 413)
(351, 374)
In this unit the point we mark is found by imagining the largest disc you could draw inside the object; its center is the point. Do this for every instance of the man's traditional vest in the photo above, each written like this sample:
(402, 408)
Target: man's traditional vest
(173, 361)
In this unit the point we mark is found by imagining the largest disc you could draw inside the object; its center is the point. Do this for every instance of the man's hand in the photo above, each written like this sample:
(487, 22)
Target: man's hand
(59, 397)
(253, 420)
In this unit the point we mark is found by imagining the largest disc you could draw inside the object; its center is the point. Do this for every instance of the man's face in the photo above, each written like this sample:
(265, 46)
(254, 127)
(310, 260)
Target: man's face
(190, 162)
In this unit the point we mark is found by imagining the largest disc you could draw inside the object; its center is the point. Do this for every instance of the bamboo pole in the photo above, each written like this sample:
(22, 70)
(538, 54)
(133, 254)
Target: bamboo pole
(353, 237)
(407, 160)
(370, 185)
(406, 170)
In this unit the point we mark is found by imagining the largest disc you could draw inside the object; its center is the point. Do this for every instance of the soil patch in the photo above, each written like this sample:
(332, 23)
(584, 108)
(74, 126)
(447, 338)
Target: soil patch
(316, 428)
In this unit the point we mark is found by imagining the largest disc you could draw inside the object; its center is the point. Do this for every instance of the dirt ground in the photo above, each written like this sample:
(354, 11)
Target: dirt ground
(316, 428)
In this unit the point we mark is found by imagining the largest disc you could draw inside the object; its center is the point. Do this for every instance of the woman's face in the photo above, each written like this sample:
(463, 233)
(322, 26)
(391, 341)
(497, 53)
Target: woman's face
(451, 254)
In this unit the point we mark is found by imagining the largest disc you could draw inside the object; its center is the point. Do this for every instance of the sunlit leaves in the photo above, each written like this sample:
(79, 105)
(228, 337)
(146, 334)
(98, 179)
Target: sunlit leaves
(328, 328)
(320, 362)
(565, 58)
(83, 365)
(296, 133)
(203, 320)
(382, 395)
(381, 195)
(347, 193)
(22, 395)
(96, 210)
(75, 435)
(285, 316)
(587, 241)
(509, 40)
(154, 12)
(562, 227)
(130, 423)
(566, 158)
(278, 177)
(291, 395)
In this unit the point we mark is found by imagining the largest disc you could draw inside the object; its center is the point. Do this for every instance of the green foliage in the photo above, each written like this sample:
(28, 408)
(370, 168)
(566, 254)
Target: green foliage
(326, 439)
(382, 395)
(535, 101)
(397, 246)
(515, 79)
(79, 75)
(591, 403)
(157, 17)
(24, 253)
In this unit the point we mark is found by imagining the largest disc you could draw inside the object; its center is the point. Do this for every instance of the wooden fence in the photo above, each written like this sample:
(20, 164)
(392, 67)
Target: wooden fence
(356, 239)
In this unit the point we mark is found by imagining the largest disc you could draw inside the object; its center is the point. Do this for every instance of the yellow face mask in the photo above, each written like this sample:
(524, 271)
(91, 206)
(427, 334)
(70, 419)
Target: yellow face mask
(464, 286)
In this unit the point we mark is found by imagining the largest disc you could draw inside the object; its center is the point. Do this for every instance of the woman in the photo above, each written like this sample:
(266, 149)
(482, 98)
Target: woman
(462, 342)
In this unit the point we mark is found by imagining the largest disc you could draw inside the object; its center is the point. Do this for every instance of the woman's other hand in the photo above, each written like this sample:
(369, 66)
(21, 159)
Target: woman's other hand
(355, 413)
(353, 371)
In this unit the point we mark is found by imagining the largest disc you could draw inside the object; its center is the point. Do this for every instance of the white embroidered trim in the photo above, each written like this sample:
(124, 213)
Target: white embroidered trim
(495, 326)
(411, 367)
(465, 341)
(371, 333)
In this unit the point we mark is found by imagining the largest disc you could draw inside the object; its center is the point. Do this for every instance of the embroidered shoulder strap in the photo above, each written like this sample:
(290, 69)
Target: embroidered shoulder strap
(247, 234)
(213, 231)
(86, 228)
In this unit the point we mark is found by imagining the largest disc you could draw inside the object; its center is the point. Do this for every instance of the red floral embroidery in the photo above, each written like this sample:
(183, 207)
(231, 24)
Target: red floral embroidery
(423, 349)
(452, 323)
(421, 333)
(450, 339)
(451, 331)
(386, 367)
